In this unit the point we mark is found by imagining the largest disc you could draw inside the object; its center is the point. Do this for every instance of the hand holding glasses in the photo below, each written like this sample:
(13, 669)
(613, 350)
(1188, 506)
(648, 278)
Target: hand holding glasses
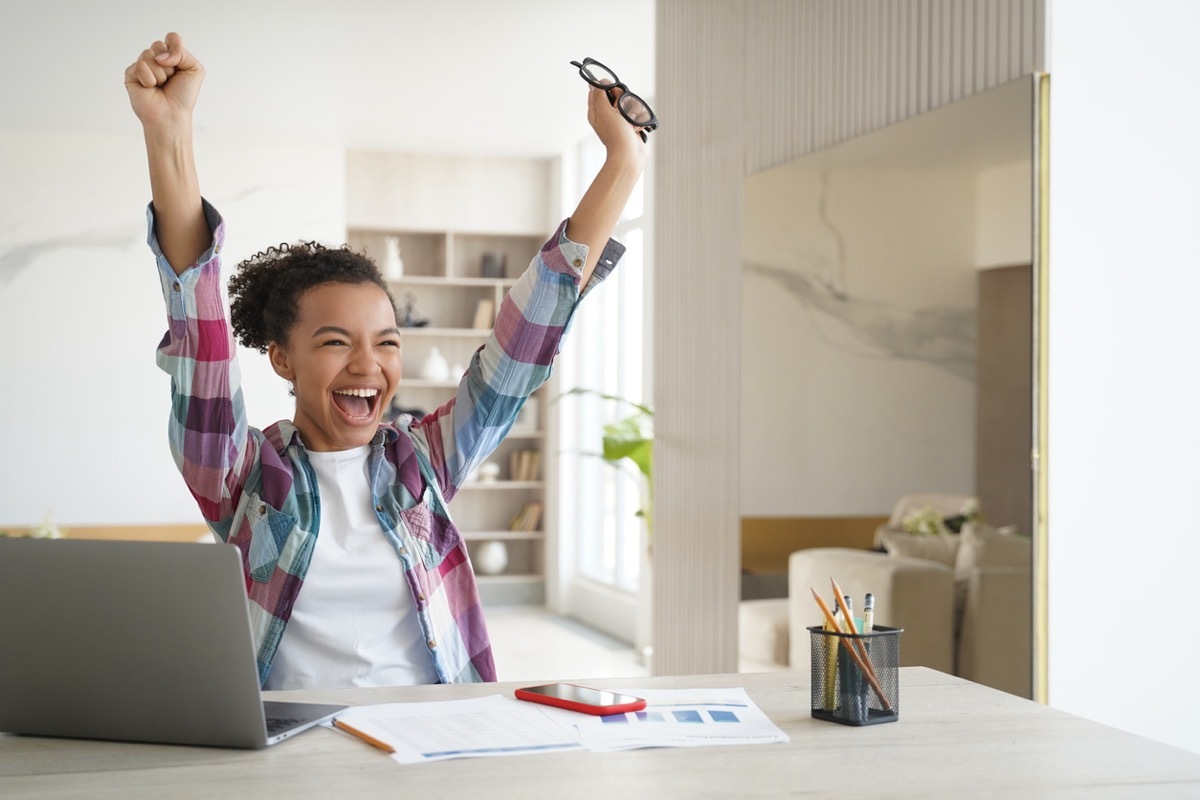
(634, 109)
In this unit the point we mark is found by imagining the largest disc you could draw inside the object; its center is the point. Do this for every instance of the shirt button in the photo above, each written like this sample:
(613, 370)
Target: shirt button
(177, 287)
(432, 644)
(403, 551)
(578, 262)
(262, 509)
(421, 597)
(377, 508)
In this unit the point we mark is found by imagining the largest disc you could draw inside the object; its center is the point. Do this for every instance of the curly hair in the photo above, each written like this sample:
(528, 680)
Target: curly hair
(264, 292)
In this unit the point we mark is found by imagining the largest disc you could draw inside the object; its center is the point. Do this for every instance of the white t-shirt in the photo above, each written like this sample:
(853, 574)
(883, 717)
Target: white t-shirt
(354, 622)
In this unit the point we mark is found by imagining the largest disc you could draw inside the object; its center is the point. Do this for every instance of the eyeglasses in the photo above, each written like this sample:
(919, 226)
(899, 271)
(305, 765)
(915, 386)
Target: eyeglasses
(634, 109)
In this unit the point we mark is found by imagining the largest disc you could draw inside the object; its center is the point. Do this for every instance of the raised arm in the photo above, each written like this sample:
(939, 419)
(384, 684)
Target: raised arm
(600, 209)
(163, 85)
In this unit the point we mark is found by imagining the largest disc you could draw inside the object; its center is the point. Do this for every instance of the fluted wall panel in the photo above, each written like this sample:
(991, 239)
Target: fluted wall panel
(816, 73)
(743, 85)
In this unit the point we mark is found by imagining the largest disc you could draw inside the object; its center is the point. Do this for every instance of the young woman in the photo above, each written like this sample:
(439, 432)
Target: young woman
(355, 573)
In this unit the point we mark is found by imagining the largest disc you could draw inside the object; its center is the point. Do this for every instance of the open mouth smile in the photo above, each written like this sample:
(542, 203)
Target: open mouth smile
(358, 406)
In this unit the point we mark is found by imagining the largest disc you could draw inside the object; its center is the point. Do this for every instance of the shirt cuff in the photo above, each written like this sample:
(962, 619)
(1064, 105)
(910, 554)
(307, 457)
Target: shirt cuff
(216, 224)
(177, 288)
(563, 255)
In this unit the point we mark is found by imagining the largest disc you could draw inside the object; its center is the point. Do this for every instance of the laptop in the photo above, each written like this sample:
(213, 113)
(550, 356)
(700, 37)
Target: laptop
(134, 641)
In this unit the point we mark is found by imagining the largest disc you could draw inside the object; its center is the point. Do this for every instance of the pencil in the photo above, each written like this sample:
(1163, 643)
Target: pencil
(366, 737)
(862, 650)
(869, 673)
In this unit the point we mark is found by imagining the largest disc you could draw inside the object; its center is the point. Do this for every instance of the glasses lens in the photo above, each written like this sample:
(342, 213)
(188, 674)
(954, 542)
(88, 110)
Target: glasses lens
(636, 110)
(599, 75)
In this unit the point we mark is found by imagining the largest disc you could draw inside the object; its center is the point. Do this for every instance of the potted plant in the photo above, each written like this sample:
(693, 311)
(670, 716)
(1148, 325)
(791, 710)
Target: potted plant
(631, 438)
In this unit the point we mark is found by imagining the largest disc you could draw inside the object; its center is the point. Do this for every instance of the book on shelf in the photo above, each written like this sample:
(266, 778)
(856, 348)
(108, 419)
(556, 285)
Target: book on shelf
(484, 314)
(528, 518)
(523, 465)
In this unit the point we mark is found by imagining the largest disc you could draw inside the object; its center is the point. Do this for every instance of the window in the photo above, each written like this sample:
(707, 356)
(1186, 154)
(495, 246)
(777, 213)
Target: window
(607, 351)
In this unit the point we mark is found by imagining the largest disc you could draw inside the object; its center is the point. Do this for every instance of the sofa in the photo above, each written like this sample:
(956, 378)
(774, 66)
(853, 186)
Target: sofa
(963, 600)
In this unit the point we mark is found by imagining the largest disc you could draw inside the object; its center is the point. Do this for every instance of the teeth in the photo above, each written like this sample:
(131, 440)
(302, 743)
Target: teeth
(358, 392)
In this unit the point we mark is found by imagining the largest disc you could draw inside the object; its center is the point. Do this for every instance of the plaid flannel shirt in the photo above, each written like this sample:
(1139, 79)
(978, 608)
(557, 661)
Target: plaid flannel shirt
(257, 490)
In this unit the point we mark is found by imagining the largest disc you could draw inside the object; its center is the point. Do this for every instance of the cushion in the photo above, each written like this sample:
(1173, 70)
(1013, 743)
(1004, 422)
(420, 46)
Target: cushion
(943, 549)
(763, 634)
(981, 545)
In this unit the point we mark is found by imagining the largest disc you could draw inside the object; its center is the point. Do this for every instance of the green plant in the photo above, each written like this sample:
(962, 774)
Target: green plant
(927, 522)
(46, 529)
(630, 438)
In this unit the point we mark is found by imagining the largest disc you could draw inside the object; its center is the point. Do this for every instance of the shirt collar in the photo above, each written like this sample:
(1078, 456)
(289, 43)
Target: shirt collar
(284, 434)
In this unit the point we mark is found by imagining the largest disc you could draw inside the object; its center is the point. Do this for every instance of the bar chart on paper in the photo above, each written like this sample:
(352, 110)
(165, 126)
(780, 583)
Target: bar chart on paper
(505, 726)
(682, 718)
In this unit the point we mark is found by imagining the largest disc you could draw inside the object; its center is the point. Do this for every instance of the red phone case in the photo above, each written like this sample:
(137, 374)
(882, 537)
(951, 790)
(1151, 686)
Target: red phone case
(636, 704)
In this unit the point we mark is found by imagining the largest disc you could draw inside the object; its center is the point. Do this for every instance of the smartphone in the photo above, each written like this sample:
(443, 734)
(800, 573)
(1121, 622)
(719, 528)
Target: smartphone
(581, 698)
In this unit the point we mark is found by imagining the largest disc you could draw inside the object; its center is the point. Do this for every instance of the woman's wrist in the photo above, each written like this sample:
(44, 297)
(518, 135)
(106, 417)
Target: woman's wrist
(625, 160)
(168, 136)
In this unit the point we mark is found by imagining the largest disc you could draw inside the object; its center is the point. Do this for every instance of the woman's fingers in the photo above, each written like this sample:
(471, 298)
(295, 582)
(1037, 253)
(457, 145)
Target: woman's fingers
(163, 83)
(158, 72)
(607, 121)
(164, 55)
(172, 53)
(174, 43)
(160, 61)
(143, 74)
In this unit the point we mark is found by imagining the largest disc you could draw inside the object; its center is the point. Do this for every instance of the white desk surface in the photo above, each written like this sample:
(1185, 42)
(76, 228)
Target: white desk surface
(953, 739)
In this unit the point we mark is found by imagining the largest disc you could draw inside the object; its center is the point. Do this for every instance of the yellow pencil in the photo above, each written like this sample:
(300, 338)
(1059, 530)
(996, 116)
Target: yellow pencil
(366, 737)
(866, 670)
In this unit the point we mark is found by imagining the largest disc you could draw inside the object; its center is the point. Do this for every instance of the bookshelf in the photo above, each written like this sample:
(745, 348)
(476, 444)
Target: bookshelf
(444, 283)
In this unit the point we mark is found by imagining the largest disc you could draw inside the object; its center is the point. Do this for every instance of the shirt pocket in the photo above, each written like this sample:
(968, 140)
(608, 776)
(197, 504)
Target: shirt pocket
(433, 535)
(269, 531)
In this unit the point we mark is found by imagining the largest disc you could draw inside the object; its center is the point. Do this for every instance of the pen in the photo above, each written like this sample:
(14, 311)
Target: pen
(831, 660)
(864, 666)
(854, 641)
(868, 613)
(366, 737)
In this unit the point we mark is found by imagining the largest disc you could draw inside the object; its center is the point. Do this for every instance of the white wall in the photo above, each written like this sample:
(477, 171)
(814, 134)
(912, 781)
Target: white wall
(446, 192)
(83, 409)
(1124, 381)
(1004, 215)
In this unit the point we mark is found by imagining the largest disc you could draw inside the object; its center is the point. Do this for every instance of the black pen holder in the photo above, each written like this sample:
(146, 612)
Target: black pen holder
(859, 688)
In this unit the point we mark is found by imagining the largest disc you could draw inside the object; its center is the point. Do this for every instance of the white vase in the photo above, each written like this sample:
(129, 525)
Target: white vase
(489, 472)
(393, 265)
(435, 368)
(491, 558)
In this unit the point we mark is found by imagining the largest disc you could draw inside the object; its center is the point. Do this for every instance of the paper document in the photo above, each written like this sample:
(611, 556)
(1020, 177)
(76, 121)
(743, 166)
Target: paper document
(505, 726)
(681, 718)
(487, 726)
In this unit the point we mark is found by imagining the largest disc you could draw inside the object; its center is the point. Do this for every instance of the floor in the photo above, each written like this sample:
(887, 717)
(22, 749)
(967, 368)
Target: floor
(531, 644)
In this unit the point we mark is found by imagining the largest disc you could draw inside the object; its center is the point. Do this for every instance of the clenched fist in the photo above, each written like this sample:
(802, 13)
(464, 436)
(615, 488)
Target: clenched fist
(163, 84)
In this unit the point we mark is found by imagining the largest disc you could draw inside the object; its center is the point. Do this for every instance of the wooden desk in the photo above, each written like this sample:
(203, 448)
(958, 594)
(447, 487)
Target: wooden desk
(954, 739)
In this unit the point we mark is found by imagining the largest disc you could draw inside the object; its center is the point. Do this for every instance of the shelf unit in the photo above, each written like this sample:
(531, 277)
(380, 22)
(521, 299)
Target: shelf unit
(443, 280)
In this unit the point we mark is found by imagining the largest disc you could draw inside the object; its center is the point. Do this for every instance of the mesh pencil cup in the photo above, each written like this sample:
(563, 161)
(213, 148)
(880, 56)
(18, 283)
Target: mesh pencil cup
(859, 688)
